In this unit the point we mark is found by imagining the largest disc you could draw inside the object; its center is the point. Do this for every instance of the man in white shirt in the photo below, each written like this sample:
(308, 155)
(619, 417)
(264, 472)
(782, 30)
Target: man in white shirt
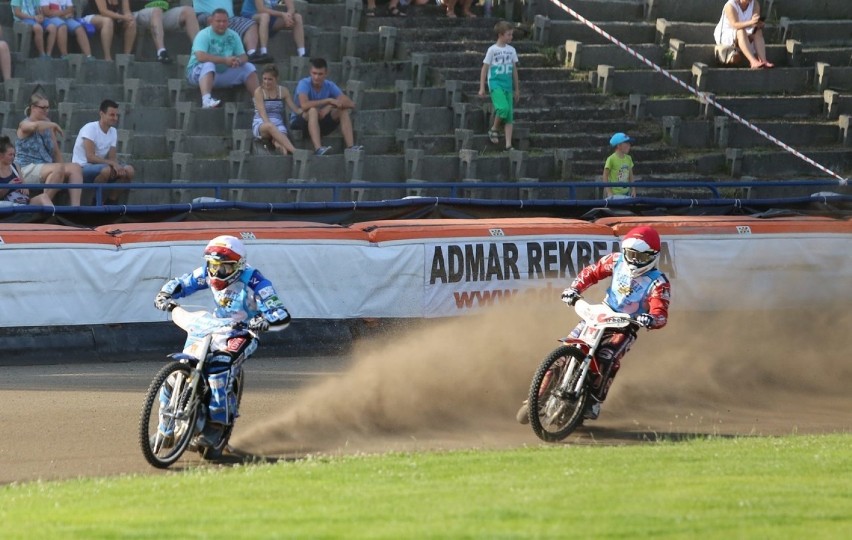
(95, 151)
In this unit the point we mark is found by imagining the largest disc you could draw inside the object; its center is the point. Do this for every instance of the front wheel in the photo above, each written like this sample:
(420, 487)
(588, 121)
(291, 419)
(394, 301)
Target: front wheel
(554, 416)
(167, 423)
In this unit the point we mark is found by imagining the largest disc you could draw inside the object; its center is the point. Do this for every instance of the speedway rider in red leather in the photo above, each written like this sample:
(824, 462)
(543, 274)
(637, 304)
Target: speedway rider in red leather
(637, 288)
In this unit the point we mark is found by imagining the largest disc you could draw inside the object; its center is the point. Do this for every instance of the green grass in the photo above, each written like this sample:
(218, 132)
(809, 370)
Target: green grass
(790, 487)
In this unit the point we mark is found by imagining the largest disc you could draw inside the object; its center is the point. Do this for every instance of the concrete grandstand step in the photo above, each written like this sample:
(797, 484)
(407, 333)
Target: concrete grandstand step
(99, 71)
(821, 10)
(526, 75)
(570, 113)
(377, 120)
(376, 99)
(466, 59)
(89, 94)
(780, 80)
(752, 107)
(683, 10)
(41, 69)
(146, 119)
(554, 33)
(823, 32)
(684, 55)
(151, 171)
(585, 57)
(835, 56)
(202, 146)
(149, 146)
(597, 10)
(128, 67)
(799, 134)
(465, 46)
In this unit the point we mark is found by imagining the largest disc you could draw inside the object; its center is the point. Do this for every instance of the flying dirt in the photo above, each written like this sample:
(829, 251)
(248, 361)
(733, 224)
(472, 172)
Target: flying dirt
(457, 383)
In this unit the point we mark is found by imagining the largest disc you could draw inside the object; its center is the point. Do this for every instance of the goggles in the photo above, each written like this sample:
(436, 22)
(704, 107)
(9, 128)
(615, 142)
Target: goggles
(638, 257)
(221, 269)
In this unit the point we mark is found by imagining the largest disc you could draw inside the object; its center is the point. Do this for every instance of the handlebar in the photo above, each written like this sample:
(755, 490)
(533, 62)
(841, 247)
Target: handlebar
(633, 322)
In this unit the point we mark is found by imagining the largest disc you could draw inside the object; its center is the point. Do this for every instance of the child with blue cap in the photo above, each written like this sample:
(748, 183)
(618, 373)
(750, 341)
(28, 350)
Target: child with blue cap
(619, 167)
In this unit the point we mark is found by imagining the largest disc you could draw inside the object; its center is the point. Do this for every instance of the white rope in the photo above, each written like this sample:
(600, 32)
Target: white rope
(841, 181)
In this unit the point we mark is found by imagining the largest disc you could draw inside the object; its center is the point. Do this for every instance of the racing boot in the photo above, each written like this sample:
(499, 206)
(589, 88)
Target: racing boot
(523, 414)
(211, 434)
(592, 411)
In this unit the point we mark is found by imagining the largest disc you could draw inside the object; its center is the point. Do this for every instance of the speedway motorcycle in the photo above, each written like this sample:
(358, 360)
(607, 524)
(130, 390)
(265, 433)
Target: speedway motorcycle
(572, 379)
(175, 408)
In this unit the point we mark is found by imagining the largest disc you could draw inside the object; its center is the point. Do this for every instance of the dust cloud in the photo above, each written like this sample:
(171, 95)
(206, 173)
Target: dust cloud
(458, 383)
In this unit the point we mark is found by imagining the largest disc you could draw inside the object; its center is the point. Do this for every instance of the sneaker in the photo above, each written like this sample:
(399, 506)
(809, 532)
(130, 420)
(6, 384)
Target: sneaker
(164, 58)
(592, 411)
(210, 103)
(523, 414)
(356, 147)
(322, 150)
(258, 57)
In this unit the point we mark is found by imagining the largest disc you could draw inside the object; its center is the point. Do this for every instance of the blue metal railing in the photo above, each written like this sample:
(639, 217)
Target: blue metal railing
(452, 189)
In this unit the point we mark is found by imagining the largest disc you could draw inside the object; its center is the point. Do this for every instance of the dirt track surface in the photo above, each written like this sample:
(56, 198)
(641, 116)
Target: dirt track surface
(453, 385)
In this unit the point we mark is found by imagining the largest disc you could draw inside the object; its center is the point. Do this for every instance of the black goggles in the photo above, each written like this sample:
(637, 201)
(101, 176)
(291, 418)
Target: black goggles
(638, 257)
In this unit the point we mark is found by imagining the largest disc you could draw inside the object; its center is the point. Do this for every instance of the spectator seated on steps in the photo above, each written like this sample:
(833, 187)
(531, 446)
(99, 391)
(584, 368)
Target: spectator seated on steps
(64, 12)
(218, 60)
(271, 18)
(269, 122)
(95, 151)
(245, 28)
(29, 13)
(740, 32)
(39, 156)
(324, 107)
(157, 16)
(392, 10)
(118, 12)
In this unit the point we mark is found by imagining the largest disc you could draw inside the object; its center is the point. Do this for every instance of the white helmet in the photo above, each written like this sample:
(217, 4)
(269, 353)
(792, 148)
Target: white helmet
(641, 250)
(225, 258)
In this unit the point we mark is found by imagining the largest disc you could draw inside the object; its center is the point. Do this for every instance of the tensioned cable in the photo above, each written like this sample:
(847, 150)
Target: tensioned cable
(703, 96)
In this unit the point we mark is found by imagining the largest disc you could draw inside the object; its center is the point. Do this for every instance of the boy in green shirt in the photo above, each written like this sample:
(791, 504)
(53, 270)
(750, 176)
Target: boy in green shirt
(619, 167)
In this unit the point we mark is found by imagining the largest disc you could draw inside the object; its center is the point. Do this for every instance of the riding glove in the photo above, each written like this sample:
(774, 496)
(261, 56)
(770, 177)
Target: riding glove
(163, 302)
(644, 320)
(258, 324)
(570, 296)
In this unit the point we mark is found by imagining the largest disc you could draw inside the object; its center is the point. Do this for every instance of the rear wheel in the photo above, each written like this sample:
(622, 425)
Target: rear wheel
(166, 425)
(554, 415)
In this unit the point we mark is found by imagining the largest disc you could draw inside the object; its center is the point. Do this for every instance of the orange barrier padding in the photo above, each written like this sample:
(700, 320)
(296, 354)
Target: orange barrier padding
(129, 233)
(414, 229)
(734, 225)
(35, 233)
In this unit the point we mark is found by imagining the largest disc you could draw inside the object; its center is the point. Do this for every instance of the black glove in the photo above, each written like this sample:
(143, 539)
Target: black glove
(258, 324)
(570, 296)
(644, 320)
(163, 302)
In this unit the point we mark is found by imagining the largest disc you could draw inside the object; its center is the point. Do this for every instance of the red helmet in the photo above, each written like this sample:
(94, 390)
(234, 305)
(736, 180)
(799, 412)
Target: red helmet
(641, 250)
(225, 258)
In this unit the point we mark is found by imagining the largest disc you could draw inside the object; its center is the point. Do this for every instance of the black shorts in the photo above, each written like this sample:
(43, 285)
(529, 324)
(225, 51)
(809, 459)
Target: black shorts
(326, 124)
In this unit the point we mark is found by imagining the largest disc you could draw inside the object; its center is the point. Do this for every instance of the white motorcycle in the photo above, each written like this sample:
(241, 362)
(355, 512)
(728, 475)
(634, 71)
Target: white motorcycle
(572, 379)
(175, 409)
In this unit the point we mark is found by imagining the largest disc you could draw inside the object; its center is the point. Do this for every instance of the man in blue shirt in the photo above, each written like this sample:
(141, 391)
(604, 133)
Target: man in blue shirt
(324, 108)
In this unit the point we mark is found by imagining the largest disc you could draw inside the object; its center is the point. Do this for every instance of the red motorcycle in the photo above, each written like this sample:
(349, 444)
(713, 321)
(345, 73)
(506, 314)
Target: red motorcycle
(572, 381)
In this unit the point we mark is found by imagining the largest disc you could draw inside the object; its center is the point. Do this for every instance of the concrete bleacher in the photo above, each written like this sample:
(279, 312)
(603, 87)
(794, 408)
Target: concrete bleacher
(415, 82)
